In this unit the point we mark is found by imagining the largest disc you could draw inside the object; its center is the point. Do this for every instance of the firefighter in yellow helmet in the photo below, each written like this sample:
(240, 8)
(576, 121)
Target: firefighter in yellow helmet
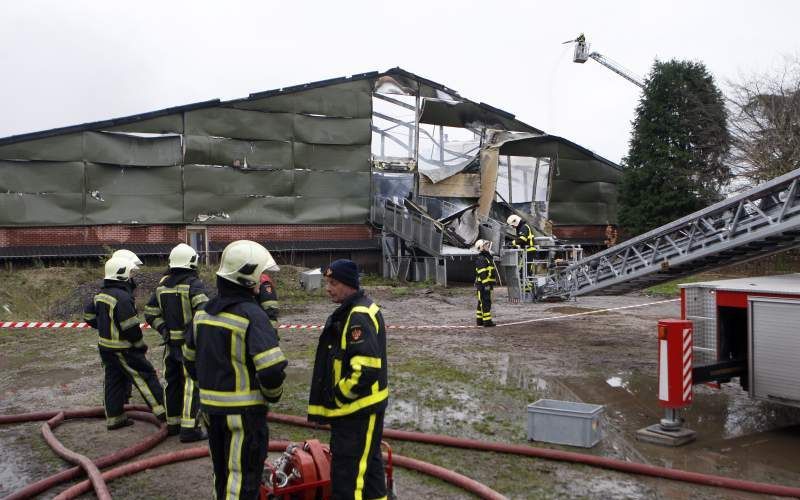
(122, 349)
(349, 386)
(179, 294)
(484, 282)
(232, 353)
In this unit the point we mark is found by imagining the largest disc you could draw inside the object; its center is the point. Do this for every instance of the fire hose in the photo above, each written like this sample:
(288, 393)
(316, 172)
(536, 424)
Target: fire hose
(603, 462)
(98, 480)
(570, 456)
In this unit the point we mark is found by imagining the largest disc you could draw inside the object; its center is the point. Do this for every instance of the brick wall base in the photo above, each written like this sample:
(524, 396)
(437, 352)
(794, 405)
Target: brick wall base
(172, 234)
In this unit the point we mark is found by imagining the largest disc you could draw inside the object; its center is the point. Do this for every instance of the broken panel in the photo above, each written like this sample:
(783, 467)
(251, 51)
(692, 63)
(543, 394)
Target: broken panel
(343, 158)
(68, 147)
(205, 150)
(139, 208)
(344, 100)
(220, 180)
(321, 184)
(168, 124)
(125, 149)
(130, 195)
(239, 124)
(353, 210)
(34, 209)
(325, 130)
(41, 176)
(212, 208)
(445, 151)
(393, 131)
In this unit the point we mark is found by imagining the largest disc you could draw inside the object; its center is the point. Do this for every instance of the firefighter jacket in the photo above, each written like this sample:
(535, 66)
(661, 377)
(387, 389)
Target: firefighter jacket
(232, 352)
(268, 298)
(525, 238)
(350, 373)
(113, 313)
(179, 294)
(484, 270)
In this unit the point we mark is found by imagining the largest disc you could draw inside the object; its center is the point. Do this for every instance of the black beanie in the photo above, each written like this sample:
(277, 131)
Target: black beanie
(344, 271)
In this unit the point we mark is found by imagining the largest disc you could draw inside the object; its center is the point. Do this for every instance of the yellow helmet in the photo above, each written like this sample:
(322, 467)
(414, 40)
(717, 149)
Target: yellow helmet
(127, 254)
(513, 220)
(243, 261)
(119, 268)
(183, 256)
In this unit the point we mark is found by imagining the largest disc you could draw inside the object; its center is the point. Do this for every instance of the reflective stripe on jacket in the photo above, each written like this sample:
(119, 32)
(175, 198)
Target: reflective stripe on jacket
(484, 269)
(350, 373)
(235, 358)
(113, 313)
(171, 307)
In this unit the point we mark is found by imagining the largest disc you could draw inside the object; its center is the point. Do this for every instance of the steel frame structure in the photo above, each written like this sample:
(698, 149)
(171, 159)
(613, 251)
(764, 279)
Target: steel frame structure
(760, 222)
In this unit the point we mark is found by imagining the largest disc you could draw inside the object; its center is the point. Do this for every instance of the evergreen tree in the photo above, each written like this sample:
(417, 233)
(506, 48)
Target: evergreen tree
(675, 164)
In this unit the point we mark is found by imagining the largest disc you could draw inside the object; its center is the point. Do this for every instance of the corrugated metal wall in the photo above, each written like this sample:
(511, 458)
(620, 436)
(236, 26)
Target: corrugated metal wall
(299, 158)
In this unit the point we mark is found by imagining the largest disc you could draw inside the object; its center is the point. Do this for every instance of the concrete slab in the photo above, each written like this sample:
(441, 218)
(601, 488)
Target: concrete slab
(656, 435)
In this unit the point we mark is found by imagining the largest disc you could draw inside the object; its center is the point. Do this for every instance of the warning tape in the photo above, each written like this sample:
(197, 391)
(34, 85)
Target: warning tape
(81, 324)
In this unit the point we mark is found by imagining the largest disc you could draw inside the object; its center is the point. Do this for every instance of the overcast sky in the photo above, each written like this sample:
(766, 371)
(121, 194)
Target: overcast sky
(69, 62)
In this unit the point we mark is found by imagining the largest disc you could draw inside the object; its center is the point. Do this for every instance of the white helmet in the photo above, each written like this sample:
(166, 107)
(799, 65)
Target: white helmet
(513, 220)
(183, 256)
(127, 254)
(119, 268)
(482, 245)
(243, 261)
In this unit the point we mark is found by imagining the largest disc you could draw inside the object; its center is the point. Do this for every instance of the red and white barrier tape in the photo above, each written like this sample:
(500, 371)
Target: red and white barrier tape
(77, 324)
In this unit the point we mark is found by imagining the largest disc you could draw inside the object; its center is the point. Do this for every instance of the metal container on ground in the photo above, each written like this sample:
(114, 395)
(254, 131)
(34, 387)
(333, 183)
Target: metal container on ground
(311, 280)
(565, 422)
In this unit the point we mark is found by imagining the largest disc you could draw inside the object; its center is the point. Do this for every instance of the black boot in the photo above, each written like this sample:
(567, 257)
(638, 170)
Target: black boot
(489, 322)
(173, 429)
(479, 322)
(121, 424)
(192, 435)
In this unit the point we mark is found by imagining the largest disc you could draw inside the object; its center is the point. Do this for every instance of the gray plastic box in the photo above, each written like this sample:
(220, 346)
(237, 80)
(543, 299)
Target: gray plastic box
(565, 422)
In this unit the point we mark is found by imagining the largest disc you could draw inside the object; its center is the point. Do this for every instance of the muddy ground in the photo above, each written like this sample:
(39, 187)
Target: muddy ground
(462, 382)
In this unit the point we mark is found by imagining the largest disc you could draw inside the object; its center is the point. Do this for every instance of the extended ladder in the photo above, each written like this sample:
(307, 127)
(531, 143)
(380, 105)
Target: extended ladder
(762, 221)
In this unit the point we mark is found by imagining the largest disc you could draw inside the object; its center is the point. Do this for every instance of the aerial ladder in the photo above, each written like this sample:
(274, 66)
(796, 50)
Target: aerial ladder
(761, 221)
(582, 54)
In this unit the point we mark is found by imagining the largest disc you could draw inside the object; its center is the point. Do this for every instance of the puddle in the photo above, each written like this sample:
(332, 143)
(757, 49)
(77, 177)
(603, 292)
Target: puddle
(422, 416)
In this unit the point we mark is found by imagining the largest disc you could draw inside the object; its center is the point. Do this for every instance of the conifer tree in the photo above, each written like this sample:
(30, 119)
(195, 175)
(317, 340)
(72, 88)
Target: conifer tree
(676, 162)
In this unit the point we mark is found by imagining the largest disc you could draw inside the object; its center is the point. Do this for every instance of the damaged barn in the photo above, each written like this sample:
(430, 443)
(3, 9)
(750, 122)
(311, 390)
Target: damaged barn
(304, 170)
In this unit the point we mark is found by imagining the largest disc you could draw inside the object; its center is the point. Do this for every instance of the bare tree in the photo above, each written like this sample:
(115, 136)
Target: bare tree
(764, 121)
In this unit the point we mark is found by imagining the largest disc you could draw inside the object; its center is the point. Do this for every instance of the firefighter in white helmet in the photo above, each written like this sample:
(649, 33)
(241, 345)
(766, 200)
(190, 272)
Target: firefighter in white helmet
(122, 349)
(484, 282)
(179, 294)
(524, 240)
(137, 263)
(232, 354)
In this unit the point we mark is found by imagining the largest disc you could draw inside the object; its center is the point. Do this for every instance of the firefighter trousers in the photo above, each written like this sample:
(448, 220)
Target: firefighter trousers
(238, 444)
(484, 311)
(356, 465)
(180, 392)
(123, 367)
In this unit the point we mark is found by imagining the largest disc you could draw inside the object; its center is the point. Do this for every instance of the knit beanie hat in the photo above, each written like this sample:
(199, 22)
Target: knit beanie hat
(344, 271)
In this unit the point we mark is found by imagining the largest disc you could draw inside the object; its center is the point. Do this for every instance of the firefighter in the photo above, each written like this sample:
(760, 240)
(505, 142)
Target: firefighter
(127, 254)
(349, 387)
(268, 298)
(524, 240)
(179, 294)
(232, 354)
(122, 349)
(484, 282)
